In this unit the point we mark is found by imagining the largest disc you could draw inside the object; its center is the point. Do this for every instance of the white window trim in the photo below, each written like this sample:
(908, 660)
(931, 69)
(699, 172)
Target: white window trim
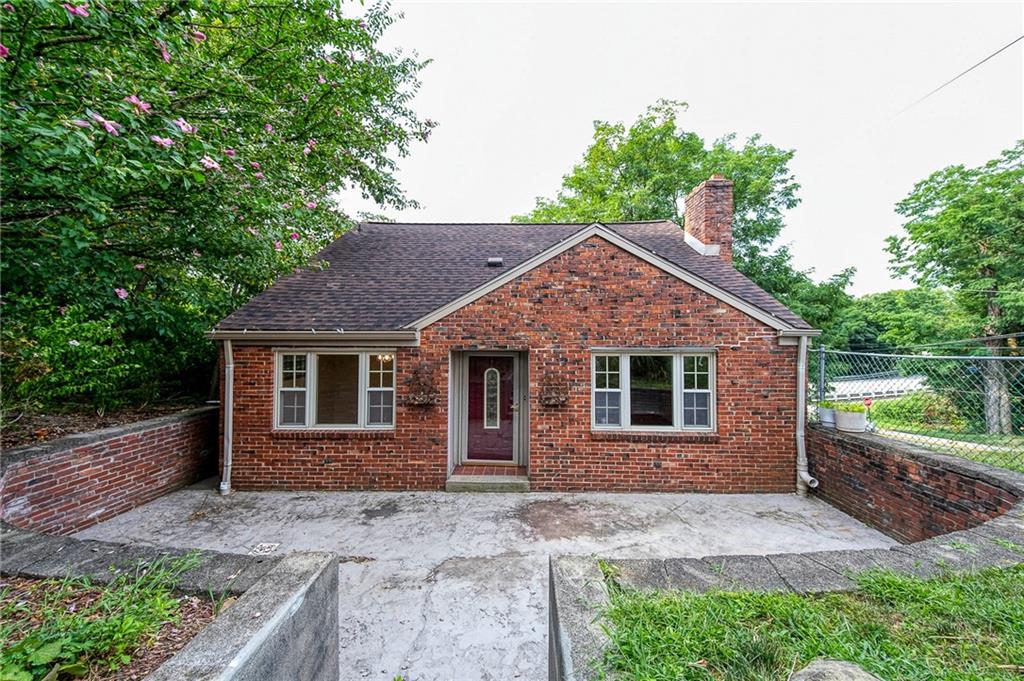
(677, 392)
(363, 409)
(497, 400)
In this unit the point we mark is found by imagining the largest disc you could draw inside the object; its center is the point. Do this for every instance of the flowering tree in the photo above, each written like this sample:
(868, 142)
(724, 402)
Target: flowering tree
(163, 161)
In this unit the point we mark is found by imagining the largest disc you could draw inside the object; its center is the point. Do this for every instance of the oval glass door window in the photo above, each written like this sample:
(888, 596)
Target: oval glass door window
(492, 379)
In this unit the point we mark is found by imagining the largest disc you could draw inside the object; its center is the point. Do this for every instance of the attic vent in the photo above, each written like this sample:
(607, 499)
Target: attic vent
(495, 262)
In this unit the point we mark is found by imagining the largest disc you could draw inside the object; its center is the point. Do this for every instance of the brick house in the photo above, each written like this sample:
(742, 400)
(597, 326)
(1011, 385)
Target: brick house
(614, 357)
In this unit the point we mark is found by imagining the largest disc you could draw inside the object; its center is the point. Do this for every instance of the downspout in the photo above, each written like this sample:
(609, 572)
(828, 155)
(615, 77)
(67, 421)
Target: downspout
(803, 477)
(229, 403)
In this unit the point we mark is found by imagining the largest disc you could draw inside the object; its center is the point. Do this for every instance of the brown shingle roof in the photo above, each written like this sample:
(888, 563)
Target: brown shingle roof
(384, 276)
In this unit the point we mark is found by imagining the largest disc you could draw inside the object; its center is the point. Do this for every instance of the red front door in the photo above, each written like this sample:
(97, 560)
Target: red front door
(491, 402)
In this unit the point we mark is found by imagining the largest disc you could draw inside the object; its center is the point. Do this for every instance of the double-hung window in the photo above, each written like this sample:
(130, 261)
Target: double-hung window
(653, 390)
(335, 389)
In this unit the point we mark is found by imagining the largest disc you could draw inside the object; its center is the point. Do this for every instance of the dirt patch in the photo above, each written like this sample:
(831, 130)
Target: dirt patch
(24, 427)
(193, 614)
(355, 559)
(557, 519)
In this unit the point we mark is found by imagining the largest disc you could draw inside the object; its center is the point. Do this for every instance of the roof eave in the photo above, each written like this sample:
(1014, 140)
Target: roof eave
(401, 337)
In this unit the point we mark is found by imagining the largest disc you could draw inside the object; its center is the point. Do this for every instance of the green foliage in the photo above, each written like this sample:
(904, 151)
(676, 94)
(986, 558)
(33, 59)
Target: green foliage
(920, 411)
(643, 173)
(48, 639)
(893, 320)
(897, 627)
(965, 230)
(164, 162)
(851, 407)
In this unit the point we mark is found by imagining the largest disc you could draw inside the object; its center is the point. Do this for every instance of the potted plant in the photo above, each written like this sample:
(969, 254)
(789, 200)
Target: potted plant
(827, 414)
(851, 417)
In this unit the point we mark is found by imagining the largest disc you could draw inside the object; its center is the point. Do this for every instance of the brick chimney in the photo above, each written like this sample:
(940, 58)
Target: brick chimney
(708, 217)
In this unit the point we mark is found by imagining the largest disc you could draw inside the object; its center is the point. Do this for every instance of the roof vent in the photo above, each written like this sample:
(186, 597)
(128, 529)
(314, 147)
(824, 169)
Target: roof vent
(495, 262)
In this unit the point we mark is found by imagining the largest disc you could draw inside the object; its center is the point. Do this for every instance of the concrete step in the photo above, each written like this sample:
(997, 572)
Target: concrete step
(487, 483)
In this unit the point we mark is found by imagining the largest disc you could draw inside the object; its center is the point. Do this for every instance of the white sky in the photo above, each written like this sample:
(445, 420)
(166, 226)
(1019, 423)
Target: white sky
(517, 86)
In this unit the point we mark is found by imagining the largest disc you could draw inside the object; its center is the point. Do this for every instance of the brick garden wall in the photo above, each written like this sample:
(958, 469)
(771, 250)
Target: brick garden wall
(904, 491)
(593, 295)
(69, 484)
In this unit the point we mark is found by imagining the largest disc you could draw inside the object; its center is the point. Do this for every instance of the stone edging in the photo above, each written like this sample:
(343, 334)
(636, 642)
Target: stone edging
(577, 585)
(16, 455)
(283, 625)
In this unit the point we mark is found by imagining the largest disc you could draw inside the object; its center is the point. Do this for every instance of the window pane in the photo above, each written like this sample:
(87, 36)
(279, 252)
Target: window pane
(381, 408)
(696, 409)
(650, 390)
(491, 398)
(337, 390)
(382, 371)
(607, 410)
(293, 371)
(293, 407)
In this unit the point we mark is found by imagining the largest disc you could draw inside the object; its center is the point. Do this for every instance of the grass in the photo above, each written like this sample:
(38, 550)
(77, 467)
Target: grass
(963, 628)
(64, 628)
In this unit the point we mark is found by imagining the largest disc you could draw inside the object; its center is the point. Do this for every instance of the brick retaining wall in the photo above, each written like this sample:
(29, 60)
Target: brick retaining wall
(66, 485)
(907, 492)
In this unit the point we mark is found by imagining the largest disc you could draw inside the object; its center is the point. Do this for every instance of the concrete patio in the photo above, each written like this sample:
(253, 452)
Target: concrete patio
(438, 586)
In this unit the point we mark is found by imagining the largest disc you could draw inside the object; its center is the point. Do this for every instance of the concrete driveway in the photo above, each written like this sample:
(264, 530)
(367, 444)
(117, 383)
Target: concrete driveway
(439, 586)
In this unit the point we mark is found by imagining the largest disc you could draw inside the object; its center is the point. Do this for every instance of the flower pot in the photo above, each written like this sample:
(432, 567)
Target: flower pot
(851, 421)
(827, 416)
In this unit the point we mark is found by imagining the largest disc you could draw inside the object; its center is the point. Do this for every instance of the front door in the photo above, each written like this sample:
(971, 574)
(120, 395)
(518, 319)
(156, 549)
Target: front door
(491, 407)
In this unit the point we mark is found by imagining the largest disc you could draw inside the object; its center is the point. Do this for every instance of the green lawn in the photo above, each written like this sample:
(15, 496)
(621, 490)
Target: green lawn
(901, 628)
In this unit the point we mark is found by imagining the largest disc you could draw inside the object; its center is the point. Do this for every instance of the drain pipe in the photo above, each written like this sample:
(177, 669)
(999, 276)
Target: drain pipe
(803, 477)
(229, 410)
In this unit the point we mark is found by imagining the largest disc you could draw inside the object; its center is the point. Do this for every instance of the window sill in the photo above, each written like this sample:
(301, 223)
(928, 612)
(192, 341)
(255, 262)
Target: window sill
(653, 436)
(334, 434)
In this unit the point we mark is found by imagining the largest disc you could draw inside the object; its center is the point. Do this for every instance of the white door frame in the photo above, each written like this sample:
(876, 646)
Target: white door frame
(458, 406)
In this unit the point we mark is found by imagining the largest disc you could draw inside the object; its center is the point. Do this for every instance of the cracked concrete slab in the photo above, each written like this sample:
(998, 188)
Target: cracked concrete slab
(440, 586)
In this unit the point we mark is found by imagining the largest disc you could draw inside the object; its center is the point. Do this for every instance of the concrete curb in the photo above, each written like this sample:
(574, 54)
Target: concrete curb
(274, 631)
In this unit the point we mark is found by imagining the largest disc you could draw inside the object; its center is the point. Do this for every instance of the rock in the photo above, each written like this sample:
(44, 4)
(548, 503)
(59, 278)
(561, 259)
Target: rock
(832, 670)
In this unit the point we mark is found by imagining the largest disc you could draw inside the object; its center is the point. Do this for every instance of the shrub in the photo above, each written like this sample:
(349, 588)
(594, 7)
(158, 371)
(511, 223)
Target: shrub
(923, 409)
(855, 407)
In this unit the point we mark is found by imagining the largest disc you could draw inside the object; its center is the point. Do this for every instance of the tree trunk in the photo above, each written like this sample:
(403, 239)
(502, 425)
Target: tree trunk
(993, 372)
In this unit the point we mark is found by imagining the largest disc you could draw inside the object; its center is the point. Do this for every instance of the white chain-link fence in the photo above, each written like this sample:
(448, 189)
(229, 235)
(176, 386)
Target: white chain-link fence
(969, 406)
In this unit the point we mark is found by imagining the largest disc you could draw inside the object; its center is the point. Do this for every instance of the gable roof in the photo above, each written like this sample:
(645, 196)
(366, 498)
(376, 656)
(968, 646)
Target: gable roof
(393, 276)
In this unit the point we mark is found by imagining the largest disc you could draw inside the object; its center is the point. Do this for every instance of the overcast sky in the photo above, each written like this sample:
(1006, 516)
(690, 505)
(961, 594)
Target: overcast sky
(516, 87)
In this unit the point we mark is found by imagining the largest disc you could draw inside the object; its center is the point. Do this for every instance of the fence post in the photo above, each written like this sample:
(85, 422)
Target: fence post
(821, 374)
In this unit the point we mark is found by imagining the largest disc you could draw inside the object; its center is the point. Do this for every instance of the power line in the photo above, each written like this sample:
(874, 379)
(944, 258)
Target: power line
(962, 74)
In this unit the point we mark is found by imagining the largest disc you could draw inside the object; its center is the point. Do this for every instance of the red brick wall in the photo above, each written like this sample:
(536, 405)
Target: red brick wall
(907, 493)
(592, 295)
(67, 485)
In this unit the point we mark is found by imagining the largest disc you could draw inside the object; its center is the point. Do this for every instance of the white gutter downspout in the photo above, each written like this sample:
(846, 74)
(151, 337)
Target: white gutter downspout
(803, 477)
(229, 403)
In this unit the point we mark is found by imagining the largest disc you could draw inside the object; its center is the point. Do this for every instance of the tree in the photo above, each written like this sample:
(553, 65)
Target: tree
(893, 321)
(644, 172)
(965, 230)
(164, 161)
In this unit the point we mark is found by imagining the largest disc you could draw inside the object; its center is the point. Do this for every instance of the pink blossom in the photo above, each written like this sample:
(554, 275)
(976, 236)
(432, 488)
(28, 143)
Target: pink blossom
(140, 106)
(305, 98)
(278, 246)
(185, 126)
(258, 176)
(163, 51)
(165, 142)
(209, 163)
(251, 230)
(78, 122)
(321, 79)
(4, 51)
(312, 142)
(268, 127)
(311, 205)
(121, 293)
(306, 150)
(230, 153)
(198, 36)
(9, 7)
(111, 127)
(140, 265)
(76, 10)
(62, 310)
(286, 206)
(254, 165)
(294, 236)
